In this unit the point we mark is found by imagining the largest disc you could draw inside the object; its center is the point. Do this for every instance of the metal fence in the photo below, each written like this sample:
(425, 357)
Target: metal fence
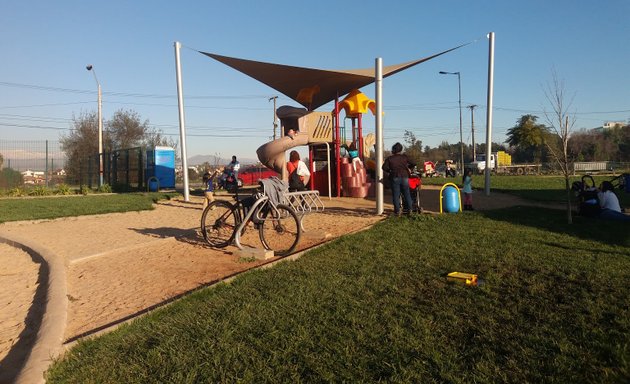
(123, 169)
(32, 155)
(40, 162)
(43, 163)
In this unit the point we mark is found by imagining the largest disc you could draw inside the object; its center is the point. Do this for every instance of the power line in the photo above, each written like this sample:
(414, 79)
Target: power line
(125, 94)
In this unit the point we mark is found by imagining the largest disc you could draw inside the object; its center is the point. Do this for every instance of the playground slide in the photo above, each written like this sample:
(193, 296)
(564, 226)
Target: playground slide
(273, 153)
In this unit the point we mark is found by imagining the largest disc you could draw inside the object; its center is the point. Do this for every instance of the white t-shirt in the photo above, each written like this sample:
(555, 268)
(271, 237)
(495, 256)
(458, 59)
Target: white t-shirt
(302, 169)
(608, 200)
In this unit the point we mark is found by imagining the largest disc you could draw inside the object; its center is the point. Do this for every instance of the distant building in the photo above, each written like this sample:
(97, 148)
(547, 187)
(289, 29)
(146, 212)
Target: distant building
(613, 124)
(33, 177)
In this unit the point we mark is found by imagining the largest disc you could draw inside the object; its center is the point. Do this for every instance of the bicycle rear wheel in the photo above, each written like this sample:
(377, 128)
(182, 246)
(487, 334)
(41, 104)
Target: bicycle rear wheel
(279, 230)
(218, 222)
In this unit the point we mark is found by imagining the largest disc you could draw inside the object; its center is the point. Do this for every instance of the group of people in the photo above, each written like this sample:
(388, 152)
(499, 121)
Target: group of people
(228, 175)
(298, 172)
(398, 167)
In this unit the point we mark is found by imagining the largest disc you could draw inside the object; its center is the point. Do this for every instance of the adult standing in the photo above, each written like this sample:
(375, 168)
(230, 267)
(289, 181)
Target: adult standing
(397, 166)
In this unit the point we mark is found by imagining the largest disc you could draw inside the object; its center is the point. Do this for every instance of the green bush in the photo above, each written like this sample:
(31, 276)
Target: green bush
(64, 189)
(15, 192)
(40, 190)
(10, 178)
(85, 190)
(105, 188)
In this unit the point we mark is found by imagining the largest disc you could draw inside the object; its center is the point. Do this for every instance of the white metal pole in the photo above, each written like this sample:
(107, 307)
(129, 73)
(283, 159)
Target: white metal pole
(100, 134)
(461, 135)
(378, 83)
(182, 124)
(472, 130)
(275, 117)
(489, 111)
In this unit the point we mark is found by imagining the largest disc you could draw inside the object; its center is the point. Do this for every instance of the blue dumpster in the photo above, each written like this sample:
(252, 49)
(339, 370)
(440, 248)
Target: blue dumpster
(450, 195)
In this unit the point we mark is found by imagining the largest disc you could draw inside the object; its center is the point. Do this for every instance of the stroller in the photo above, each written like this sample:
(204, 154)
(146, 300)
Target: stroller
(586, 193)
(415, 184)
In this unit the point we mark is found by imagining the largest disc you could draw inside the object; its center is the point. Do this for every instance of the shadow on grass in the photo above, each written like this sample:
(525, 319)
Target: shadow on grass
(554, 220)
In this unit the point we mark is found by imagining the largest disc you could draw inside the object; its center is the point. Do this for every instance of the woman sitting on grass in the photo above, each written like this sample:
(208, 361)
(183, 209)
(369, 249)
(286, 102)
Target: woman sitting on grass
(609, 203)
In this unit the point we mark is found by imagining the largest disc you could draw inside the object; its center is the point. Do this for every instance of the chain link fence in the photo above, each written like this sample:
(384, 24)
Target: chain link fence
(42, 163)
(31, 162)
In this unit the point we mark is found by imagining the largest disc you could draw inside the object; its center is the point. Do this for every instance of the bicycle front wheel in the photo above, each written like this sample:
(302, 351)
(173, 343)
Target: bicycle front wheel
(218, 223)
(279, 230)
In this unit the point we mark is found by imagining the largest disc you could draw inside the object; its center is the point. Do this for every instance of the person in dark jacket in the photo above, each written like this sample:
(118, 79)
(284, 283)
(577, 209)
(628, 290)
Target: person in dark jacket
(397, 166)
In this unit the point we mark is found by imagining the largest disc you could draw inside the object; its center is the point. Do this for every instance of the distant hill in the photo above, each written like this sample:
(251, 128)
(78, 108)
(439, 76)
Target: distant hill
(212, 160)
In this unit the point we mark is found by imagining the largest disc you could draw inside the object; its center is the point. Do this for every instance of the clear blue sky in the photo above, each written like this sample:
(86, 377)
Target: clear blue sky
(47, 44)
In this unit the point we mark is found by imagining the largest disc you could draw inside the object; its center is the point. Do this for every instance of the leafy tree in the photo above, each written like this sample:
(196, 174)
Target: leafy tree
(80, 144)
(618, 141)
(624, 144)
(413, 148)
(124, 130)
(10, 178)
(527, 138)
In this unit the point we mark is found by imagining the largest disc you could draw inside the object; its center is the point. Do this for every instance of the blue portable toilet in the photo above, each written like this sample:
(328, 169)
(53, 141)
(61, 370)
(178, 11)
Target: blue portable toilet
(160, 171)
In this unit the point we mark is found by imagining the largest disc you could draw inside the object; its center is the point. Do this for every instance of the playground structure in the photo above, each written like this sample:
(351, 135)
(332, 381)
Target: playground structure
(313, 88)
(325, 137)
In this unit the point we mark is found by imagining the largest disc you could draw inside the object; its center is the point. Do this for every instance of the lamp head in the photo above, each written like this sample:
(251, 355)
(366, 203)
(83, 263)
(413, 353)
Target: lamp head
(89, 67)
(441, 72)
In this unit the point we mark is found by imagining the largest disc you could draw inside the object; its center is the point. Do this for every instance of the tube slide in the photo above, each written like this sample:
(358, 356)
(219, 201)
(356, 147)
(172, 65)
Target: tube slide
(273, 153)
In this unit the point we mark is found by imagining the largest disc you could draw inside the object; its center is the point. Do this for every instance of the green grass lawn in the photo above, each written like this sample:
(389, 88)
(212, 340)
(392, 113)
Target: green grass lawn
(36, 208)
(552, 307)
(540, 188)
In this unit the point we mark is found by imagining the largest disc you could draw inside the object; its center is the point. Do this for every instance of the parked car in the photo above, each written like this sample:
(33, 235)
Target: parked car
(250, 175)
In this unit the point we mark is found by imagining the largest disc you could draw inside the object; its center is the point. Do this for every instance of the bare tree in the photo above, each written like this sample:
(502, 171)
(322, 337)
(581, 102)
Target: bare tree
(561, 123)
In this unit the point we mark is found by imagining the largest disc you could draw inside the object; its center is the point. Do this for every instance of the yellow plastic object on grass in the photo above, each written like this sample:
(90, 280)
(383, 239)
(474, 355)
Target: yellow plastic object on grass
(461, 277)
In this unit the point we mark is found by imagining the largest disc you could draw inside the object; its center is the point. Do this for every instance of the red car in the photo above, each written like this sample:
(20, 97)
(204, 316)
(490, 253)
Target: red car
(251, 175)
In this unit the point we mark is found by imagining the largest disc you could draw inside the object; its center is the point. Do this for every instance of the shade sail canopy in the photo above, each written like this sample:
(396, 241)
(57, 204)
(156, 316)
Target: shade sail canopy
(313, 87)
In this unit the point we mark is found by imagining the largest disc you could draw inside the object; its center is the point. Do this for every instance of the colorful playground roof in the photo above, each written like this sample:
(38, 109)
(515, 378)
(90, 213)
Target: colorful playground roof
(313, 87)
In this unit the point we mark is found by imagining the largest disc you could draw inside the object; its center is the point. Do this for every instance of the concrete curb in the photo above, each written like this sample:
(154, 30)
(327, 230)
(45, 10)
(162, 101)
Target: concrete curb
(49, 338)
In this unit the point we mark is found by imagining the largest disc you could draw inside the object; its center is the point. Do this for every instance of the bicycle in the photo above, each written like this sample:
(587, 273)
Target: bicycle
(223, 223)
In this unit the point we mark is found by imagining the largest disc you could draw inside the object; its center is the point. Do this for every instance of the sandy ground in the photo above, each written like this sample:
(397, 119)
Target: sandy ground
(120, 265)
(18, 282)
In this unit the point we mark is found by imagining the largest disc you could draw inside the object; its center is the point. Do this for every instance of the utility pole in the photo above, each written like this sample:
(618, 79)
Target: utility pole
(275, 117)
(472, 128)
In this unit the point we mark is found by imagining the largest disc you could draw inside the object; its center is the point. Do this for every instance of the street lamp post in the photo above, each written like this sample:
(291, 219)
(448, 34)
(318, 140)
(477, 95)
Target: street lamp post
(461, 135)
(472, 130)
(89, 67)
